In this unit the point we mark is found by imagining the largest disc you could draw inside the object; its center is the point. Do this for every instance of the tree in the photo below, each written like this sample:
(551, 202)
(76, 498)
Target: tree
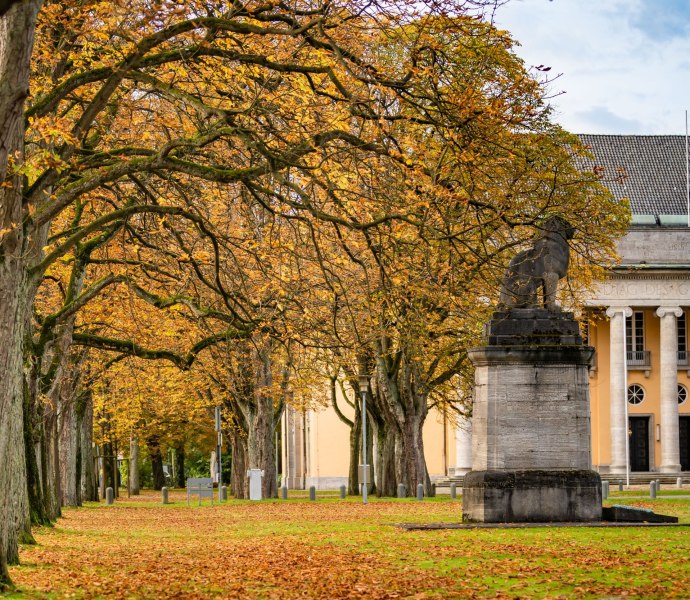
(16, 42)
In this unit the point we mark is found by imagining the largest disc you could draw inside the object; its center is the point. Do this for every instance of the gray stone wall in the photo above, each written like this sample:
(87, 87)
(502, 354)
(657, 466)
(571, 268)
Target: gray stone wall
(530, 416)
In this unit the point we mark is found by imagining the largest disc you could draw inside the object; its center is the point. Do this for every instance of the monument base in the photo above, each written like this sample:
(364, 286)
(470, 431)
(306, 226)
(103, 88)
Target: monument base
(531, 496)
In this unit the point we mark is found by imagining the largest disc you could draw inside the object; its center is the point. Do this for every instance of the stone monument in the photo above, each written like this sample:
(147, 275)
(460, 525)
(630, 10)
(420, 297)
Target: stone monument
(531, 446)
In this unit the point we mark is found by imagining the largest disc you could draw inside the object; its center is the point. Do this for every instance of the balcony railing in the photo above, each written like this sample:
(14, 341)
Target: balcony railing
(640, 359)
(683, 358)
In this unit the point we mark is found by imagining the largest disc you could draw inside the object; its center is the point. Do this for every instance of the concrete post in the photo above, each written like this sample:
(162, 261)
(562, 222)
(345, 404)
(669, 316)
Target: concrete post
(402, 492)
(312, 492)
(453, 491)
(343, 492)
(604, 490)
(223, 493)
(164, 495)
(109, 495)
(420, 492)
(284, 492)
(668, 356)
(618, 391)
(620, 486)
(679, 483)
(652, 489)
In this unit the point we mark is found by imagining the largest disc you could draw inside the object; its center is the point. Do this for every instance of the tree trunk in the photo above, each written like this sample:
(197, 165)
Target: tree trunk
(386, 479)
(156, 464)
(134, 465)
(238, 467)
(32, 444)
(355, 452)
(51, 480)
(67, 428)
(88, 479)
(180, 480)
(16, 43)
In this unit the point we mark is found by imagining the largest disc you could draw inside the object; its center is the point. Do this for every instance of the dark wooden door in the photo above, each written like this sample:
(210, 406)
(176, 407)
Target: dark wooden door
(639, 443)
(684, 434)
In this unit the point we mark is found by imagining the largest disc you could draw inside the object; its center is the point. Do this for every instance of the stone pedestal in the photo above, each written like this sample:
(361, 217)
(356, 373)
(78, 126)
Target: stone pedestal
(531, 440)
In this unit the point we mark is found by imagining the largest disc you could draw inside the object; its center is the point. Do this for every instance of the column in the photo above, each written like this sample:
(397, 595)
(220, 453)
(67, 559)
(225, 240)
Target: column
(463, 446)
(668, 355)
(618, 395)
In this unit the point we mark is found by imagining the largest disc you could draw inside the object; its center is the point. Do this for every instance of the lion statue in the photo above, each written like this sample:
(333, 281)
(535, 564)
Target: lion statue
(540, 266)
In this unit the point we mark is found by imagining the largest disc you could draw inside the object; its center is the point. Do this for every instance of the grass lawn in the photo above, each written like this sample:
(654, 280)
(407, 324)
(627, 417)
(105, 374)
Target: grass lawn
(335, 548)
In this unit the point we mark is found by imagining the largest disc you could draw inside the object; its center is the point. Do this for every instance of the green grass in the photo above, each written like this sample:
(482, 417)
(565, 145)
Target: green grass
(342, 548)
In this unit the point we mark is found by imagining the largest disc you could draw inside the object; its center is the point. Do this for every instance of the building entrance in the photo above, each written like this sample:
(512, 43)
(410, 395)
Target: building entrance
(638, 429)
(684, 434)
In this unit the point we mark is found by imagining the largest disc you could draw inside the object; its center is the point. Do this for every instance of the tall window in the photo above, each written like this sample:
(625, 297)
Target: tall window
(634, 332)
(682, 334)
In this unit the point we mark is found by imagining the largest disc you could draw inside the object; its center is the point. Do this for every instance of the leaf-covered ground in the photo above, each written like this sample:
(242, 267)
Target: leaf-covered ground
(341, 549)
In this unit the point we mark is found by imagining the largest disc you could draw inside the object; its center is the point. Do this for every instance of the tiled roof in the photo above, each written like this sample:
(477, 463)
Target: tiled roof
(649, 170)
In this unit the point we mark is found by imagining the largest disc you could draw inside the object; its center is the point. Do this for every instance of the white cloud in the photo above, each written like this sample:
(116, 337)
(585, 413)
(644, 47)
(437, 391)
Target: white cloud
(624, 63)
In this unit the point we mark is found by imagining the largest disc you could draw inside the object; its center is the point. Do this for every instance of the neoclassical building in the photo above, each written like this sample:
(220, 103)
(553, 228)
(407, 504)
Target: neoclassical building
(638, 316)
(637, 322)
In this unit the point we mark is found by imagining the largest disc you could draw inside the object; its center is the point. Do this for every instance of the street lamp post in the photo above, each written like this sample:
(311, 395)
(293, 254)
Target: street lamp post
(363, 387)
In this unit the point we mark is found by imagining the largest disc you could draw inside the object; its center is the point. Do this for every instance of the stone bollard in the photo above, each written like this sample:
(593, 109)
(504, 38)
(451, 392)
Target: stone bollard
(223, 493)
(283, 492)
(658, 484)
(164, 495)
(652, 489)
(604, 490)
(343, 492)
(402, 492)
(453, 491)
(109, 495)
(620, 485)
(679, 482)
(312, 493)
(420, 492)
(432, 494)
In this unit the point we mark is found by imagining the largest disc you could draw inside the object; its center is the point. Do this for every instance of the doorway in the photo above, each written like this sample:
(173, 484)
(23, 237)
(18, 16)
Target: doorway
(639, 443)
(684, 445)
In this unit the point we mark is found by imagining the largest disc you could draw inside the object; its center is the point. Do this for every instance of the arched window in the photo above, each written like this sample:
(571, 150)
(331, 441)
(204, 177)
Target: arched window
(635, 394)
(682, 393)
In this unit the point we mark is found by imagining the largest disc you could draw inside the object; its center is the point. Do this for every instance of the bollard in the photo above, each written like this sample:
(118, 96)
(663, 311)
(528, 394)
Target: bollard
(312, 493)
(453, 491)
(402, 492)
(652, 489)
(164, 495)
(223, 493)
(420, 492)
(283, 492)
(658, 485)
(432, 494)
(109, 495)
(343, 492)
(620, 485)
(679, 483)
(604, 490)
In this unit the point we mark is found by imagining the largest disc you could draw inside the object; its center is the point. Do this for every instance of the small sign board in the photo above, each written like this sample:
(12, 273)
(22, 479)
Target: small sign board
(370, 473)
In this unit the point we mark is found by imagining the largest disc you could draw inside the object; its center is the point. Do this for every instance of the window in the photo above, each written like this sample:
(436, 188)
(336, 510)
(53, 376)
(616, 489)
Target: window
(682, 340)
(682, 394)
(682, 333)
(634, 332)
(635, 394)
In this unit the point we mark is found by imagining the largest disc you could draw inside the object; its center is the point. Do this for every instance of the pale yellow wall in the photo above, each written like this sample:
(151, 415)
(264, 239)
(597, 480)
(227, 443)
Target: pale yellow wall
(329, 441)
(434, 444)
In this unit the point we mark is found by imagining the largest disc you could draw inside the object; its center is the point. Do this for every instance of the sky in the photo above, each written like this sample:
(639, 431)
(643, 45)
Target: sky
(624, 64)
